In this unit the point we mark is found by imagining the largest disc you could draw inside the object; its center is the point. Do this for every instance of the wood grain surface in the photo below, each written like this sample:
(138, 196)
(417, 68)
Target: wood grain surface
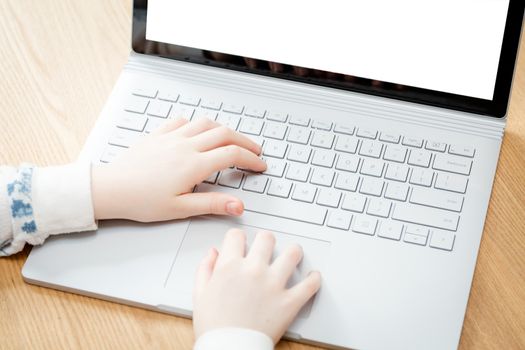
(59, 60)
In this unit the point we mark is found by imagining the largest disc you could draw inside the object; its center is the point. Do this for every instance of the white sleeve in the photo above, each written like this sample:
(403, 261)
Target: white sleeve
(233, 339)
(39, 202)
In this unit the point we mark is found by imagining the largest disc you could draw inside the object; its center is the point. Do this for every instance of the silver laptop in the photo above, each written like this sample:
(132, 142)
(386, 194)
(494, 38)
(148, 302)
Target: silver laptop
(381, 126)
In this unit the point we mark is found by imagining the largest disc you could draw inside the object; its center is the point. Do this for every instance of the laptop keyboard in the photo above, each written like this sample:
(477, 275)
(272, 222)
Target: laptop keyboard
(348, 178)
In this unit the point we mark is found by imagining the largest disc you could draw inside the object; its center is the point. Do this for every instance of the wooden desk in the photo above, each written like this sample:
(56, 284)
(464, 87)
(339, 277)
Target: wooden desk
(58, 63)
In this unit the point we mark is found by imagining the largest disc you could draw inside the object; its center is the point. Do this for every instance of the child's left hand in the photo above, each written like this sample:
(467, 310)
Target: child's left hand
(153, 180)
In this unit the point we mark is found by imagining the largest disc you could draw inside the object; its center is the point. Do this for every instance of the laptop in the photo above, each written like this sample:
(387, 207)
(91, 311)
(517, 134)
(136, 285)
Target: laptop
(381, 124)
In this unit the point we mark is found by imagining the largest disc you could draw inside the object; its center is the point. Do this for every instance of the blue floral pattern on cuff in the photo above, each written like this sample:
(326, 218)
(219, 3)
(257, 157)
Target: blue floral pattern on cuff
(20, 200)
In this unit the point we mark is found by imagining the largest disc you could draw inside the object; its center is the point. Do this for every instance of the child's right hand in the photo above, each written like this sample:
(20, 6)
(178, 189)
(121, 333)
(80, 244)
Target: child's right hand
(153, 180)
(234, 290)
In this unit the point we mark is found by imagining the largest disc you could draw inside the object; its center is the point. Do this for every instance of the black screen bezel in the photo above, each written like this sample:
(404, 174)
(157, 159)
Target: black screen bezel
(497, 107)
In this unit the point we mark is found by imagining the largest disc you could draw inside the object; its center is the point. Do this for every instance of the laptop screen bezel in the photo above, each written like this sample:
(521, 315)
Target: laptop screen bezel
(497, 107)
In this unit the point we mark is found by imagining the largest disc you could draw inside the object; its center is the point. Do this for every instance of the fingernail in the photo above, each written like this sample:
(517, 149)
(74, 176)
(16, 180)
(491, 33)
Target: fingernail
(234, 208)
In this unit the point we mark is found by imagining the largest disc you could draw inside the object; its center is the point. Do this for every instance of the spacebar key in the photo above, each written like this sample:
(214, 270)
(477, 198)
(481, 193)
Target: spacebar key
(273, 206)
(421, 215)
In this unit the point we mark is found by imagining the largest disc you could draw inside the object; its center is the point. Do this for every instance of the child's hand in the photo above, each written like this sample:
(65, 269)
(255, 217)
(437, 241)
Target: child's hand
(232, 290)
(153, 180)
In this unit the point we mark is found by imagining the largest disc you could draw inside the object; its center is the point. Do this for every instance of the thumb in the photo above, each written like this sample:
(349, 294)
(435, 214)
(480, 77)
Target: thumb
(193, 204)
(205, 271)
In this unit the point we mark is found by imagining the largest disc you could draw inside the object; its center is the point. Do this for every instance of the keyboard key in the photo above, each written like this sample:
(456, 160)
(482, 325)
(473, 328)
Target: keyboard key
(212, 104)
(233, 108)
(452, 164)
(154, 123)
(275, 130)
(347, 182)
(323, 158)
(436, 146)
(388, 137)
(397, 172)
(322, 139)
(299, 153)
(344, 129)
(395, 153)
(329, 197)
(419, 214)
(417, 230)
(390, 230)
(136, 105)
(274, 167)
(132, 122)
(451, 182)
(347, 162)
(354, 202)
(419, 158)
(364, 224)
(339, 219)
(111, 153)
(205, 113)
(346, 144)
(323, 177)
(367, 133)
(145, 92)
(190, 100)
(231, 178)
(436, 199)
(415, 239)
(298, 172)
(371, 148)
(299, 134)
(212, 178)
(255, 112)
(413, 142)
(372, 167)
(124, 138)
(371, 186)
(298, 120)
(273, 148)
(257, 139)
(280, 188)
(442, 240)
(304, 193)
(168, 96)
(274, 206)
(277, 117)
(462, 150)
(251, 126)
(396, 191)
(255, 183)
(159, 109)
(228, 120)
(182, 112)
(422, 177)
(379, 207)
(322, 125)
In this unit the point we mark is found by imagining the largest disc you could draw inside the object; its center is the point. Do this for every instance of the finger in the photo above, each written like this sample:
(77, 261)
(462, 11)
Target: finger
(232, 155)
(285, 264)
(223, 136)
(261, 250)
(304, 290)
(196, 127)
(233, 246)
(170, 126)
(193, 204)
(204, 271)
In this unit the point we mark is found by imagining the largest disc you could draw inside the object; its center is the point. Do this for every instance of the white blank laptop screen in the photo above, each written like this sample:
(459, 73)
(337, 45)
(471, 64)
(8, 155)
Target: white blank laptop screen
(448, 45)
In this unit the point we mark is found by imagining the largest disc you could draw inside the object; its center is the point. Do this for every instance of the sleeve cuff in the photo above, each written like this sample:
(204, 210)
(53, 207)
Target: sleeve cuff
(62, 200)
(233, 339)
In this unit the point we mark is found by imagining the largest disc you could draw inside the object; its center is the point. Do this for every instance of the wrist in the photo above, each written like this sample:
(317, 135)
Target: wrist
(104, 192)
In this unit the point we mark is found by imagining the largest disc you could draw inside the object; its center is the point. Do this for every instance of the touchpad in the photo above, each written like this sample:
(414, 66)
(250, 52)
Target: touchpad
(205, 233)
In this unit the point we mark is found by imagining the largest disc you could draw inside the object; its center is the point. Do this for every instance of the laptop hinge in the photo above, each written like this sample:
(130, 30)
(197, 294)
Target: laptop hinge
(319, 96)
